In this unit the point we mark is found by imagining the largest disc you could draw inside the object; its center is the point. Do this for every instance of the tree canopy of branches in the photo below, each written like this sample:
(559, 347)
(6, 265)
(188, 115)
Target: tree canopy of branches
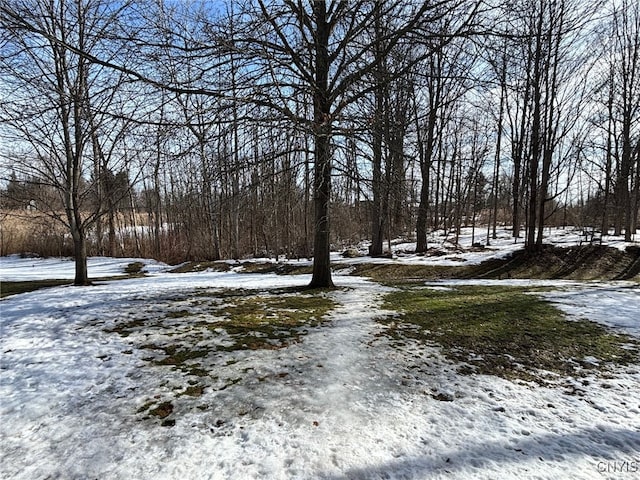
(288, 127)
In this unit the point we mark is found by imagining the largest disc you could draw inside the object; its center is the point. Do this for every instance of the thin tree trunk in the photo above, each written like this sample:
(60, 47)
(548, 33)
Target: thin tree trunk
(608, 158)
(496, 170)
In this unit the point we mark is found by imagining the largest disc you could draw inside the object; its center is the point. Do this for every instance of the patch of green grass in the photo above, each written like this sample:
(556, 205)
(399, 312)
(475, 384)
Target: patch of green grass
(179, 355)
(504, 331)
(188, 332)
(271, 321)
(126, 328)
(217, 293)
(277, 311)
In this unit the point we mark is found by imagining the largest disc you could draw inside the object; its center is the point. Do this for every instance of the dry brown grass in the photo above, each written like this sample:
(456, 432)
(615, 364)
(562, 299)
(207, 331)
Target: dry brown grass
(31, 232)
(22, 232)
(25, 232)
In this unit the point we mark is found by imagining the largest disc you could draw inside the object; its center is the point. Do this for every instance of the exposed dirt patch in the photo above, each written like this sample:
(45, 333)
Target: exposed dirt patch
(13, 288)
(243, 267)
(163, 410)
(201, 267)
(277, 268)
(402, 273)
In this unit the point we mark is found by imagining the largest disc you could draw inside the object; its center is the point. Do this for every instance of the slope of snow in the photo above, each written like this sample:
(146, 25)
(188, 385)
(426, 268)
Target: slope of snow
(341, 404)
(445, 251)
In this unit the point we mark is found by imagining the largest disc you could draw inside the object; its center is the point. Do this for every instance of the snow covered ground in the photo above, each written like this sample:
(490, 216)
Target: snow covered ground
(15, 268)
(445, 251)
(341, 404)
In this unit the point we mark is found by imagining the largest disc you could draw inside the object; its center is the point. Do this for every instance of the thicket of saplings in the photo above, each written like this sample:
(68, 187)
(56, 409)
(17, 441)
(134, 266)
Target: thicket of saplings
(184, 234)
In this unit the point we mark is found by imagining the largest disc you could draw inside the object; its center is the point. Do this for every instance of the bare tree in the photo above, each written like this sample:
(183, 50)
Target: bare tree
(544, 103)
(325, 47)
(390, 120)
(56, 105)
(625, 109)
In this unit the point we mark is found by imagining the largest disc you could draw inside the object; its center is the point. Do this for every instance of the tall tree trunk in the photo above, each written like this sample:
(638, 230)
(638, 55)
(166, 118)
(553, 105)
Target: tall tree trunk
(112, 230)
(422, 218)
(321, 276)
(322, 191)
(536, 140)
(426, 158)
(438, 211)
(549, 134)
(635, 210)
(518, 156)
(625, 191)
(378, 216)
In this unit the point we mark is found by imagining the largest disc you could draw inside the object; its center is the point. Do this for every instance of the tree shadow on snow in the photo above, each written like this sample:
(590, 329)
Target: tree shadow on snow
(601, 444)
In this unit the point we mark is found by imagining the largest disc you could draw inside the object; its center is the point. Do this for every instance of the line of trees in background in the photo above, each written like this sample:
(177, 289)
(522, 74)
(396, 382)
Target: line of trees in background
(208, 130)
